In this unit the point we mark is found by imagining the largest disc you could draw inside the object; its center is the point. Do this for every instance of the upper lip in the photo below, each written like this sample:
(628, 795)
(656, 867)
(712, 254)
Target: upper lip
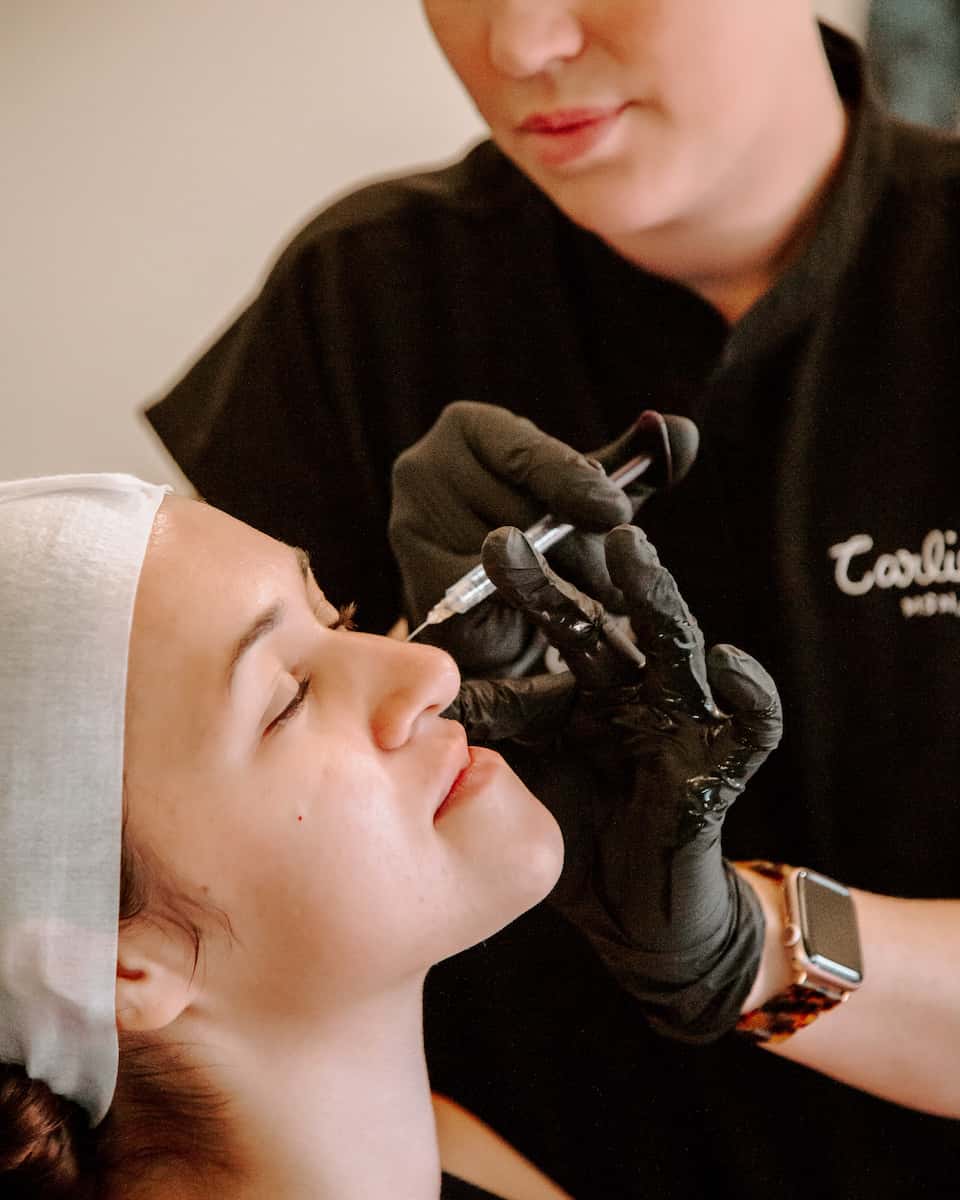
(562, 119)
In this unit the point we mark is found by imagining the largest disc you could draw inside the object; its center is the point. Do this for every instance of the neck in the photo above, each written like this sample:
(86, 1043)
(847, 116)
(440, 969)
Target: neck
(735, 247)
(341, 1111)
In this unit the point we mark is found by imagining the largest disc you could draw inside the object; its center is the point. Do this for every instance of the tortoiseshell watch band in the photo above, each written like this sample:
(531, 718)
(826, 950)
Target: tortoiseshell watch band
(800, 1004)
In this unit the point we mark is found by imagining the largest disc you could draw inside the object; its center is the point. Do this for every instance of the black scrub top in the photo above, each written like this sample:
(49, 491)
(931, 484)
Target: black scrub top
(452, 1188)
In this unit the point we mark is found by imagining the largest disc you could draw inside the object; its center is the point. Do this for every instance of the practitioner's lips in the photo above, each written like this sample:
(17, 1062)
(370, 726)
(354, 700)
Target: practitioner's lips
(568, 134)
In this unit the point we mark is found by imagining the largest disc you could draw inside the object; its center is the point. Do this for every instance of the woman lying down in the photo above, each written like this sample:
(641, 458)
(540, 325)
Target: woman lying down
(235, 834)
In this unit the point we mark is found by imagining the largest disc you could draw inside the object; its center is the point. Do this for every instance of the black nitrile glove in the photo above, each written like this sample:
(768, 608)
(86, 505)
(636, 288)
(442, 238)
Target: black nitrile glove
(481, 466)
(526, 710)
(645, 878)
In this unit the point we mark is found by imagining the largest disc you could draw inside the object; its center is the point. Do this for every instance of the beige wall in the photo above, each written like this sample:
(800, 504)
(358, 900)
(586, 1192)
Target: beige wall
(155, 156)
(850, 15)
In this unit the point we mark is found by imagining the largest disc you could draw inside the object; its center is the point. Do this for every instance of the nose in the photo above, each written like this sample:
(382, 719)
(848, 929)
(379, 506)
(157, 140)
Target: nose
(528, 37)
(414, 681)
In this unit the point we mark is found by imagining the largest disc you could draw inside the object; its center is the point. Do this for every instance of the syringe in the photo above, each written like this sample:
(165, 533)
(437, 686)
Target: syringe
(476, 585)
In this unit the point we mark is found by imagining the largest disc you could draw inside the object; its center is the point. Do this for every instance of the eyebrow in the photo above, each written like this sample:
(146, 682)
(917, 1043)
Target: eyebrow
(303, 561)
(267, 621)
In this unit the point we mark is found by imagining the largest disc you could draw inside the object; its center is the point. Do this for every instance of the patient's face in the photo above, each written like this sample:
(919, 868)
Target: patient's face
(298, 777)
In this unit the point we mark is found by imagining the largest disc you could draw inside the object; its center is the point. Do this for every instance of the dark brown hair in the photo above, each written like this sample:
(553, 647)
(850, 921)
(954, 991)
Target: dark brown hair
(163, 1112)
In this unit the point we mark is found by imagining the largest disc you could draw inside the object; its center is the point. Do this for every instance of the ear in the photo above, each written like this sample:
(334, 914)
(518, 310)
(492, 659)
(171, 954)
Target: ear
(155, 975)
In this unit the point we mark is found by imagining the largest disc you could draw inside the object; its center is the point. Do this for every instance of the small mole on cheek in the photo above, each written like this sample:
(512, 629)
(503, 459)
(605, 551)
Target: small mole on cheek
(299, 818)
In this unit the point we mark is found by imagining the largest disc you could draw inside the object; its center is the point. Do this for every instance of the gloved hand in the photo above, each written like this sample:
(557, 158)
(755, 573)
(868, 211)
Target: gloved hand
(645, 877)
(481, 466)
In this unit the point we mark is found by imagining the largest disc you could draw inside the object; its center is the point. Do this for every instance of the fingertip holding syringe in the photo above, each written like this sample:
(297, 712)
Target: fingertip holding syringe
(672, 442)
(476, 585)
(470, 589)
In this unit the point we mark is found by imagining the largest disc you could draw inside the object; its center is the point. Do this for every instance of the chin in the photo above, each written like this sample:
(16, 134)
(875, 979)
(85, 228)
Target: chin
(510, 855)
(611, 213)
(544, 861)
(620, 199)
(530, 861)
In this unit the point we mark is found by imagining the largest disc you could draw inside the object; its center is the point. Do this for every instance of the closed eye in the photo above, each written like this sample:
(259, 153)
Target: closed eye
(344, 621)
(292, 708)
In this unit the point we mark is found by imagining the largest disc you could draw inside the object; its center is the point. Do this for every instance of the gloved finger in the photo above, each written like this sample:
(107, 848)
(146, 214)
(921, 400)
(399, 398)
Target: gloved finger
(594, 649)
(491, 456)
(566, 482)
(442, 493)
(666, 631)
(671, 442)
(492, 710)
(580, 559)
(669, 446)
(748, 693)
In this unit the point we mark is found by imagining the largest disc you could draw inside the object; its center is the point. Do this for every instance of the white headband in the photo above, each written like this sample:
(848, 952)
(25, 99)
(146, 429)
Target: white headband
(71, 549)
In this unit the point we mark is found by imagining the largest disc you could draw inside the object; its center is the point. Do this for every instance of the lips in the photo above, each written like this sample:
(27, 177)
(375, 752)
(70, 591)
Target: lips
(455, 786)
(569, 137)
(567, 120)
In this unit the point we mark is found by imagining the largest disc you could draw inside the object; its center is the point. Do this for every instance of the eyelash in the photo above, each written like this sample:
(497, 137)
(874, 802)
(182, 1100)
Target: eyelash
(345, 615)
(345, 622)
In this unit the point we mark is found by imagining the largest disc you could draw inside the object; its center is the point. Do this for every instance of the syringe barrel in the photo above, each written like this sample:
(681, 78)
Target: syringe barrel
(469, 590)
(475, 586)
(547, 532)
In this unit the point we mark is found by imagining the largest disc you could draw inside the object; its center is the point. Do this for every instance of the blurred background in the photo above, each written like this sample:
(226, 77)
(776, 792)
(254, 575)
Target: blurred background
(157, 156)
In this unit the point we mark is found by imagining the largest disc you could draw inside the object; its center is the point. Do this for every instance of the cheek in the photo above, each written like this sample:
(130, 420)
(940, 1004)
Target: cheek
(462, 39)
(716, 75)
(686, 56)
(344, 877)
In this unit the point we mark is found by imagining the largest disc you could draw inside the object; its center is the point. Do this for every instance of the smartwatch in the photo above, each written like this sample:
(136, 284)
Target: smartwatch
(821, 935)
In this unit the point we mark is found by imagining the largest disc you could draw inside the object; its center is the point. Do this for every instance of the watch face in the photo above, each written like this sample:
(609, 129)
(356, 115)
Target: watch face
(829, 925)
